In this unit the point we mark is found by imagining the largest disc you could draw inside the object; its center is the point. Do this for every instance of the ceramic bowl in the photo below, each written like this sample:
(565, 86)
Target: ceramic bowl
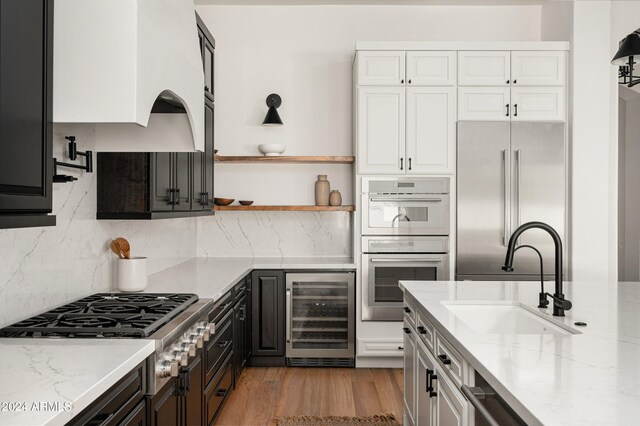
(245, 202)
(271, 149)
(223, 201)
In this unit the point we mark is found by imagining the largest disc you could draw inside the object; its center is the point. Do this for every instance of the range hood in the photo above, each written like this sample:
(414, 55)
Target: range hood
(115, 59)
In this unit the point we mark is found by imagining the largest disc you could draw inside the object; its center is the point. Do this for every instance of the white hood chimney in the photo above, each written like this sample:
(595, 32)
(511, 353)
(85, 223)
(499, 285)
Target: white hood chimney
(113, 59)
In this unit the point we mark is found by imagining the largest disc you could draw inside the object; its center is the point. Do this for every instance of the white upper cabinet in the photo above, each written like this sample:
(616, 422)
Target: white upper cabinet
(381, 68)
(538, 103)
(433, 68)
(431, 129)
(381, 129)
(538, 68)
(482, 68)
(484, 103)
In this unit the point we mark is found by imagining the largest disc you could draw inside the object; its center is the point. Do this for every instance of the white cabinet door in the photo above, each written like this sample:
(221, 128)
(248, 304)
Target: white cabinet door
(484, 68)
(538, 103)
(425, 405)
(410, 353)
(381, 68)
(452, 406)
(433, 68)
(538, 68)
(484, 104)
(431, 128)
(381, 130)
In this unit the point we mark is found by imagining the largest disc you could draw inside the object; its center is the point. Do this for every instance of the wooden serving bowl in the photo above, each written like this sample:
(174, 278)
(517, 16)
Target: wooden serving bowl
(245, 202)
(223, 201)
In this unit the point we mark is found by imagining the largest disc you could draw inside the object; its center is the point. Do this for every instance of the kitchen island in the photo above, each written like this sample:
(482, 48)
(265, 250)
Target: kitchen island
(556, 374)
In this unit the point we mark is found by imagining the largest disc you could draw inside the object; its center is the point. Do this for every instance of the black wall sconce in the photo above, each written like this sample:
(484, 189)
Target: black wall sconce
(73, 155)
(273, 118)
(624, 58)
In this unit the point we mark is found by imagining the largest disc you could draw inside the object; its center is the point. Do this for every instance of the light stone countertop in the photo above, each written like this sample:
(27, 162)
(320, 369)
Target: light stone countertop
(56, 372)
(591, 378)
(212, 277)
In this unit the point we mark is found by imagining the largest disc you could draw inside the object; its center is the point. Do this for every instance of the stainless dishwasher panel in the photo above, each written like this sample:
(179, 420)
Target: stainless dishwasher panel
(320, 315)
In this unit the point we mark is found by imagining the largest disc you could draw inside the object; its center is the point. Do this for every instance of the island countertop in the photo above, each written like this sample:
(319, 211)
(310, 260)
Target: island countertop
(590, 378)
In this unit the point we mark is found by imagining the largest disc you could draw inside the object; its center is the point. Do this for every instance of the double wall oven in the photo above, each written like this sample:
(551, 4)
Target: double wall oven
(405, 236)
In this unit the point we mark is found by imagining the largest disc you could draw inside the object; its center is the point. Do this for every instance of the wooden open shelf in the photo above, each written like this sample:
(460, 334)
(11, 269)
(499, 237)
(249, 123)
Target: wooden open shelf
(286, 208)
(283, 159)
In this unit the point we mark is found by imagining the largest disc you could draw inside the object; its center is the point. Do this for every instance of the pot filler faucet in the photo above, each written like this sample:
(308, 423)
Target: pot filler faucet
(560, 304)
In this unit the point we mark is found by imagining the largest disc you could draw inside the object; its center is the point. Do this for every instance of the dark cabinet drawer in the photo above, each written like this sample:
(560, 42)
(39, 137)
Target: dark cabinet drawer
(222, 306)
(115, 404)
(219, 389)
(219, 346)
(137, 417)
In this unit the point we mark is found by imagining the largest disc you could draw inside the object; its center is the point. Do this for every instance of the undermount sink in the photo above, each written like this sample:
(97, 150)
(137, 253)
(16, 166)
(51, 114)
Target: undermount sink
(505, 318)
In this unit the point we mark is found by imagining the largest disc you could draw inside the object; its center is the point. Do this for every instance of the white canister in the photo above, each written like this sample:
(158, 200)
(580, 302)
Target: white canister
(132, 274)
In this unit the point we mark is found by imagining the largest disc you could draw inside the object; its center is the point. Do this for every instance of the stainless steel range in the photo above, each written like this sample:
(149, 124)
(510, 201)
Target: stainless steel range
(177, 322)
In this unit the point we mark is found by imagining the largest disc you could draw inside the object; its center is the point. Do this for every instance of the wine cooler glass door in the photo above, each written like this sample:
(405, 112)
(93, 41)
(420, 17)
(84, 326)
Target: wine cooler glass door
(320, 315)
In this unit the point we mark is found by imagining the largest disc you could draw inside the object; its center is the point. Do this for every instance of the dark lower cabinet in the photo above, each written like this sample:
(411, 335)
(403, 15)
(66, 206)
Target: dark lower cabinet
(120, 405)
(138, 417)
(26, 63)
(268, 318)
(163, 406)
(191, 390)
(218, 391)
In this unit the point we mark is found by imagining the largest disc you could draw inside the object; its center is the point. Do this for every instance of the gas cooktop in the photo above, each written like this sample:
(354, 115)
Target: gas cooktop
(105, 315)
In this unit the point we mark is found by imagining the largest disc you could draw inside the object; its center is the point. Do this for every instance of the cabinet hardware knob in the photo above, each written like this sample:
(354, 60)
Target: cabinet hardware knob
(515, 81)
(400, 348)
(409, 81)
(507, 81)
(402, 81)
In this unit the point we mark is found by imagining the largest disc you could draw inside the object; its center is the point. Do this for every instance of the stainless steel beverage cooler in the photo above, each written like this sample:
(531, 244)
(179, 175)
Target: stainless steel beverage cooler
(320, 319)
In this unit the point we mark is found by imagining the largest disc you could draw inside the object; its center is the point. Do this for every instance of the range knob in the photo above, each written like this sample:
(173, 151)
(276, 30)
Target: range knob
(189, 348)
(206, 335)
(178, 355)
(212, 328)
(167, 368)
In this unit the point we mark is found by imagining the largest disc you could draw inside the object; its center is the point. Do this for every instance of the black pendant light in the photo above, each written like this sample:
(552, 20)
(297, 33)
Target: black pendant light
(628, 48)
(273, 118)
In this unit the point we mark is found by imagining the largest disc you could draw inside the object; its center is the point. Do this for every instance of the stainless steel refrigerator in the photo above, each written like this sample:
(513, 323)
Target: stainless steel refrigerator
(508, 174)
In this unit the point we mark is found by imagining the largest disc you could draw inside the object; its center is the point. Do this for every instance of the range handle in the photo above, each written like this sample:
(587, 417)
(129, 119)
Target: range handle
(505, 194)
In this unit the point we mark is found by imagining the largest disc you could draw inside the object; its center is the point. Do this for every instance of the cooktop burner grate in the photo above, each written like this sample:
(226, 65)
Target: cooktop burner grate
(105, 315)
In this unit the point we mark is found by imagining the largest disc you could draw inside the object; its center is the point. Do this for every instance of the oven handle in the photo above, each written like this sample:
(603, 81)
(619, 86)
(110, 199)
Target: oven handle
(385, 199)
(424, 260)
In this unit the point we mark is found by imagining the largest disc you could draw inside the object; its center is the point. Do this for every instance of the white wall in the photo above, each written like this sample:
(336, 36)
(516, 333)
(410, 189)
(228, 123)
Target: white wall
(593, 150)
(629, 223)
(622, 141)
(45, 267)
(305, 53)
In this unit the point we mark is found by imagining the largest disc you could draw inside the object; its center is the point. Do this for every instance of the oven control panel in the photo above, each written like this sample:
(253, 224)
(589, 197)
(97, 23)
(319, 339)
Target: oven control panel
(169, 362)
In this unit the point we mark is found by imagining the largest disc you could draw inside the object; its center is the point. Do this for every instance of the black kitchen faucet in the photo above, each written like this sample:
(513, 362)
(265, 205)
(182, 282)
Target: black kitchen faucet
(560, 304)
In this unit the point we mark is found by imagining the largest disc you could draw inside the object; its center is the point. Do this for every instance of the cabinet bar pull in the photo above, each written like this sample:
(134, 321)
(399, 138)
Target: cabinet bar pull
(406, 330)
(409, 157)
(507, 114)
(401, 163)
(515, 107)
(422, 330)
(444, 359)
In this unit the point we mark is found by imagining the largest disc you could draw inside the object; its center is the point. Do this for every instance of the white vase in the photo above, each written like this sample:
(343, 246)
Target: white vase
(132, 274)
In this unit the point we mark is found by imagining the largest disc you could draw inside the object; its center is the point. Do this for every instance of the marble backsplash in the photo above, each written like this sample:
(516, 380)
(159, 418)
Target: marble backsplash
(275, 234)
(41, 268)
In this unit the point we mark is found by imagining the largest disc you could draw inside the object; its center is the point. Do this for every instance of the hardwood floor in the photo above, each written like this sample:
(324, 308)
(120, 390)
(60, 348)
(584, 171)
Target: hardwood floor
(265, 393)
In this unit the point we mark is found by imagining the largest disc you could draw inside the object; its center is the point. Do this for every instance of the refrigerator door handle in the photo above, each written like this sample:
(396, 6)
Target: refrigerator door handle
(518, 165)
(288, 315)
(505, 193)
